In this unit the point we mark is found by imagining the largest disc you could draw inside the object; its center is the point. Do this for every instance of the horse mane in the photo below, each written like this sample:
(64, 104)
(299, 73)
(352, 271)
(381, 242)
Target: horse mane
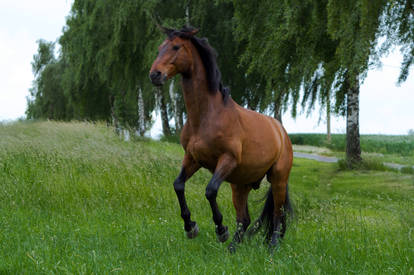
(208, 56)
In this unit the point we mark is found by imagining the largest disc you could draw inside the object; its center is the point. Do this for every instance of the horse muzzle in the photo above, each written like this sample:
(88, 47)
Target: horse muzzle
(157, 78)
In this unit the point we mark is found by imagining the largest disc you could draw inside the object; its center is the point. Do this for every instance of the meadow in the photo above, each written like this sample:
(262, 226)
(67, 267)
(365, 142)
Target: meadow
(76, 199)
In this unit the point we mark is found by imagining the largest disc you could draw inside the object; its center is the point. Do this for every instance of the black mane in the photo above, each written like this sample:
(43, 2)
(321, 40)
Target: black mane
(208, 56)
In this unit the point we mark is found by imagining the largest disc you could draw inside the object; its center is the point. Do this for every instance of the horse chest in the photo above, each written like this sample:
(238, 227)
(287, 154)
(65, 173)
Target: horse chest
(203, 153)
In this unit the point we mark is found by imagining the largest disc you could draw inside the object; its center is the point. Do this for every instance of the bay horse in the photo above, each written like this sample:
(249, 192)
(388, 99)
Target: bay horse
(237, 145)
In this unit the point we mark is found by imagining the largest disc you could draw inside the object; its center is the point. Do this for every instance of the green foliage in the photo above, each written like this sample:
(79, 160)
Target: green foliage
(103, 64)
(372, 164)
(317, 46)
(74, 198)
(407, 170)
(45, 55)
(47, 98)
(398, 29)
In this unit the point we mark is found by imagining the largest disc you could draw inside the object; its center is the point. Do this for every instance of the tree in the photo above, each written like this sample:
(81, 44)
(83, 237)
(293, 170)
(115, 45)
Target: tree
(47, 98)
(398, 29)
(104, 44)
(356, 26)
(319, 46)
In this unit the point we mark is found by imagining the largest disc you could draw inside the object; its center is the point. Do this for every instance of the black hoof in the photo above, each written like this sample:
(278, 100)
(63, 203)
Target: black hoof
(223, 236)
(275, 242)
(193, 232)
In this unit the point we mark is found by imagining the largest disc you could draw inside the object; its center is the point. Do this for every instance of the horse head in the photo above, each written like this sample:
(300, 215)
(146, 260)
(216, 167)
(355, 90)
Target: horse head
(174, 55)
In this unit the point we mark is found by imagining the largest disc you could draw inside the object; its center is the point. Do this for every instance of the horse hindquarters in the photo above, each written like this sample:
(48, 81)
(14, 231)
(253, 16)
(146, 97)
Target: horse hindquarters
(277, 204)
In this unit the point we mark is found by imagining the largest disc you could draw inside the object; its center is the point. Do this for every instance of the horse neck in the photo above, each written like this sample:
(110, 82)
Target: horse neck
(199, 101)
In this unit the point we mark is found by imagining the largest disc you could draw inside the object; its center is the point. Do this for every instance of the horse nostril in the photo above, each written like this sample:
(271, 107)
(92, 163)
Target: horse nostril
(155, 75)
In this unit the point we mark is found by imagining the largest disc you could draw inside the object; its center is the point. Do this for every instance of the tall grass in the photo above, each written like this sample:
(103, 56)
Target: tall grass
(74, 198)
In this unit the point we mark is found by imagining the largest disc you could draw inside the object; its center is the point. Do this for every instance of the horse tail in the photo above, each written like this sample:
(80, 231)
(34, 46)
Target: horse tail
(266, 217)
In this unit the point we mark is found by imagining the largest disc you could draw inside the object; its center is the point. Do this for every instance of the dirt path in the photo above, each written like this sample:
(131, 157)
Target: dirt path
(314, 157)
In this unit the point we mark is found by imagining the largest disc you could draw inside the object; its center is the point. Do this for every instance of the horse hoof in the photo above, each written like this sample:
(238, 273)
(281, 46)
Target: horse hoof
(193, 232)
(223, 236)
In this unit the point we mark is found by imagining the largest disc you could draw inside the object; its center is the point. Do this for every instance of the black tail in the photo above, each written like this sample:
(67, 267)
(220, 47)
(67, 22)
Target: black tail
(266, 218)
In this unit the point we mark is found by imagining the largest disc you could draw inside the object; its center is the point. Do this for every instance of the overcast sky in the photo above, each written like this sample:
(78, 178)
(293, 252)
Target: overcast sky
(385, 107)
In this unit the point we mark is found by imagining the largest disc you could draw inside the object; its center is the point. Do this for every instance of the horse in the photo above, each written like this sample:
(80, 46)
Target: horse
(236, 145)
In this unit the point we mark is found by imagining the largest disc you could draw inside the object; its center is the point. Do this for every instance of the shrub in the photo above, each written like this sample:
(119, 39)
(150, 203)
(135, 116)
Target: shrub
(407, 170)
(365, 164)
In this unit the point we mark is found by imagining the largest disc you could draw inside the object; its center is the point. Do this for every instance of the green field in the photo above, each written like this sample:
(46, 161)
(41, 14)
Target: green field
(382, 148)
(75, 199)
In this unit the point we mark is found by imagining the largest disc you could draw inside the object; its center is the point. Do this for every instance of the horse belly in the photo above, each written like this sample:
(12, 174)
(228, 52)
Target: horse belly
(246, 175)
(253, 167)
(258, 156)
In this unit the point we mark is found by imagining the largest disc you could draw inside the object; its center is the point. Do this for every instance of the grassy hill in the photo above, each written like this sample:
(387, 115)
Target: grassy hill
(74, 198)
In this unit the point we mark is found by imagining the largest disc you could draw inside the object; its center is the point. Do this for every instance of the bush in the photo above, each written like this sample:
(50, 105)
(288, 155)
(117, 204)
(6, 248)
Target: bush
(365, 164)
(407, 170)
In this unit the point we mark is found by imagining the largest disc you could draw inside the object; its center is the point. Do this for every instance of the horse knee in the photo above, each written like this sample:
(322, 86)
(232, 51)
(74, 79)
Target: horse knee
(178, 186)
(211, 193)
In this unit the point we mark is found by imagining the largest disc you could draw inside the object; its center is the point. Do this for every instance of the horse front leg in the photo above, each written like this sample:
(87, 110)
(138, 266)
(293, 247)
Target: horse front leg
(225, 166)
(189, 167)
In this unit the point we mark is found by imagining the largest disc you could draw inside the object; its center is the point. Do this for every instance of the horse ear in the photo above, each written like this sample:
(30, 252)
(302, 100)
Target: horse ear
(167, 31)
(157, 21)
(194, 32)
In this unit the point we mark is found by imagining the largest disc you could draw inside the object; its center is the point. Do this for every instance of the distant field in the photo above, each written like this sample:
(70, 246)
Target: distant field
(74, 198)
(398, 149)
(383, 144)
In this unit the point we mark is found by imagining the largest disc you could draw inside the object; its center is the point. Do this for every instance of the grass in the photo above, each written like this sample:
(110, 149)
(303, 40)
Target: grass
(74, 198)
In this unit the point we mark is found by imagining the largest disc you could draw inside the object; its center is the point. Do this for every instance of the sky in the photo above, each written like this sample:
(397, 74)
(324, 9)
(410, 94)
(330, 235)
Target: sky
(385, 108)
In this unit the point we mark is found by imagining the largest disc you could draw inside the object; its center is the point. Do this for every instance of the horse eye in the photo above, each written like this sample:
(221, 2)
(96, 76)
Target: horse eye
(176, 47)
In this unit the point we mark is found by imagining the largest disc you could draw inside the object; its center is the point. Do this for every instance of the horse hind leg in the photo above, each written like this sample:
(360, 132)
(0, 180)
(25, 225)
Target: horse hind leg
(278, 177)
(277, 204)
(240, 194)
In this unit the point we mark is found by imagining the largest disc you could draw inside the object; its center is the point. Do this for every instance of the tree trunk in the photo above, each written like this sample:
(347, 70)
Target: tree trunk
(141, 113)
(328, 118)
(114, 118)
(164, 113)
(177, 111)
(353, 147)
(277, 110)
(181, 118)
(187, 14)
